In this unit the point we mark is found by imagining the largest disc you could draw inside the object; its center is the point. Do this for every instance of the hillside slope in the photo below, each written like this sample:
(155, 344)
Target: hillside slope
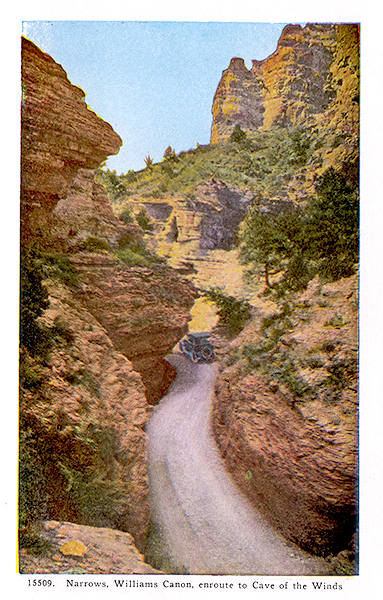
(276, 129)
(286, 414)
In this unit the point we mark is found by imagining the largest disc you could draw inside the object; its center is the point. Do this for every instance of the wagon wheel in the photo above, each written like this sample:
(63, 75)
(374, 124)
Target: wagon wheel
(181, 347)
(207, 352)
(194, 356)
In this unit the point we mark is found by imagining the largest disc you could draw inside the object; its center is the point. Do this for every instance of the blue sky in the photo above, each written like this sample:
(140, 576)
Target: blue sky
(154, 82)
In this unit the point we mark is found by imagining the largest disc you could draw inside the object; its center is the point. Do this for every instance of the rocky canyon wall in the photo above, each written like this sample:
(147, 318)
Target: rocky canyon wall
(292, 86)
(205, 220)
(59, 135)
(86, 382)
(285, 416)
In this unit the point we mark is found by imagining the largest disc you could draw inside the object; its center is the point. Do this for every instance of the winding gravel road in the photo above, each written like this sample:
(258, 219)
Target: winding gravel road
(206, 525)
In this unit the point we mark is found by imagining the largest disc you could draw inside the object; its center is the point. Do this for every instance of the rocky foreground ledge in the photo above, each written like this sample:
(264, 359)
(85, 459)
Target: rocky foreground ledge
(77, 549)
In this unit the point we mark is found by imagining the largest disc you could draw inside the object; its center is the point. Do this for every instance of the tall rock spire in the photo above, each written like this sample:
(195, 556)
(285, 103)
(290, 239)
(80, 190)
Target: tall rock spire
(289, 87)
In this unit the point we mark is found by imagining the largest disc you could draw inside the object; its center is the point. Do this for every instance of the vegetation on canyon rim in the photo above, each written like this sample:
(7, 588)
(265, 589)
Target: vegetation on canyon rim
(292, 241)
(286, 244)
(251, 161)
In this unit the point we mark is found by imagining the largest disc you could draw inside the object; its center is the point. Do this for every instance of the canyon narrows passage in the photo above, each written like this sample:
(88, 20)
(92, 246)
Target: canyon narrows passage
(258, 230)
(205, 524)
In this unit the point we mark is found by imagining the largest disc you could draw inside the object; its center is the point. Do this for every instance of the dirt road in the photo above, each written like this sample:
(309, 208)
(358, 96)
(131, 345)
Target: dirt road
(206, 524)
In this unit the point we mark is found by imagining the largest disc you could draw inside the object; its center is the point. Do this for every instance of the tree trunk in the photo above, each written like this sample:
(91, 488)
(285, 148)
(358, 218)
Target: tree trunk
(267, 275)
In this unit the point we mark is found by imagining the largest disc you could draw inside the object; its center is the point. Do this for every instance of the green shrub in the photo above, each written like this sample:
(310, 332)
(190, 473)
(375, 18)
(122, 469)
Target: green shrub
(170, 154)
(144, 221)
(335, 321)
(113, 183)
(233, 313)
(149, 162)
(126, 216)
(285, 371)
(269, 320)
(333, 224)
(32, 488)
(301, 144)
(93, 244)
(238, 135)
(132, 258)
(130, 176)
(31, 375)
(253, 354)
(261, 161)
(97, 498)
(34, 300)
(127, 239)
(61, 268)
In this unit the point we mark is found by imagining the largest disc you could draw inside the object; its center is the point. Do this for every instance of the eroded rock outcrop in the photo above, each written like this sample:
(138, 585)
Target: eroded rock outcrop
(206, 220)
(194, 232)
(59, 136)
(86, 211)
(294, 84)
(83, 403)
(144, 310)
(285, 417)
(105, 551)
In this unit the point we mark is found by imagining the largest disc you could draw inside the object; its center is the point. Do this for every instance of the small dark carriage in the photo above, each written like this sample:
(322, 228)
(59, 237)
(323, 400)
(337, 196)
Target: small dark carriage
(197, 347)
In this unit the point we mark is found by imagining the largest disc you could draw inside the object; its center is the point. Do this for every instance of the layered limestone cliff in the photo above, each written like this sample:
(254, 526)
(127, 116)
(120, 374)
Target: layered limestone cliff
(290, 87)
(311, 84)
(59, 136)
(145, 311)
(285, 416)
(104, 328)
(206, 220)
(86, 211)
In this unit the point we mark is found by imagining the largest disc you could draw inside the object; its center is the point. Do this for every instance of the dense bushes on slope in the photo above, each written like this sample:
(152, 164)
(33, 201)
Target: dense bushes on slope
(34, 300)
(297, 243)
(256, 161)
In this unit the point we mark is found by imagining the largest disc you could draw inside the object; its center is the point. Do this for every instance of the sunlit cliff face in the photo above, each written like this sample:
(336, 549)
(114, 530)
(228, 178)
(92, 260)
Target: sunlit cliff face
(59, 136)
(295, 83)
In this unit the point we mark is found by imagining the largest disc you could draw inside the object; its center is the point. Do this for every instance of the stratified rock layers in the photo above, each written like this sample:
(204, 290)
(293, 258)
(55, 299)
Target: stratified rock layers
(297, 82)
(144, 310)
(86, 211)
(295, 458)
(207, 221)
(300, 474)
(59, 136)
(108, 324)
(106, 551)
